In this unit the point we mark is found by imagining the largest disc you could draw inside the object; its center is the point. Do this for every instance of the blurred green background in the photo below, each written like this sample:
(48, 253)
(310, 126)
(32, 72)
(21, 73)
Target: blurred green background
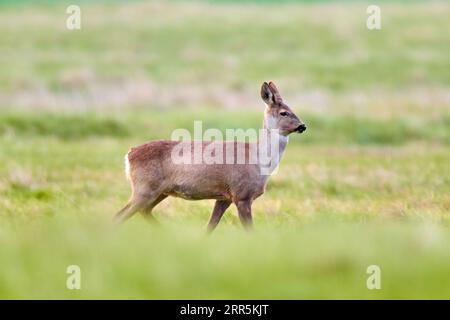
(367, 184)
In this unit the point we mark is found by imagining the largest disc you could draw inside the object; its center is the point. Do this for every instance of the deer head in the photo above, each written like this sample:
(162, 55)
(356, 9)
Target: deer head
(278, 115)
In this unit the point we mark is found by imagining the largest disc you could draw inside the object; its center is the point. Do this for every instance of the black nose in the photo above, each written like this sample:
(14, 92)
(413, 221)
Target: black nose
(301, 128)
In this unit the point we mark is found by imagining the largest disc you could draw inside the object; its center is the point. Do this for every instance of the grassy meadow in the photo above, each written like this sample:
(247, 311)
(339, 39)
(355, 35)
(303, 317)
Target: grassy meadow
(367, 184)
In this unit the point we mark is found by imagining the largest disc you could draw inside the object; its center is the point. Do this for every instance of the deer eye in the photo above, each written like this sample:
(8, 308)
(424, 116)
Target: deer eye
(284, 114)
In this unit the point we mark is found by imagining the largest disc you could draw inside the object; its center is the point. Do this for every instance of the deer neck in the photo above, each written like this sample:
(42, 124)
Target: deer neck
(271, 145)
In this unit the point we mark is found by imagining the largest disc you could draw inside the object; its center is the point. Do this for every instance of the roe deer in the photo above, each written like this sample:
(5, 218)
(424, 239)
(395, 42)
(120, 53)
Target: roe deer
(154, 175)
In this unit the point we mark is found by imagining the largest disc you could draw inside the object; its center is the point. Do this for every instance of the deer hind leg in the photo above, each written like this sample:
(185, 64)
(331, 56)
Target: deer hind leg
(245, 213)
(138, 202)
(126, 212)
(147, 212)
(218, 211)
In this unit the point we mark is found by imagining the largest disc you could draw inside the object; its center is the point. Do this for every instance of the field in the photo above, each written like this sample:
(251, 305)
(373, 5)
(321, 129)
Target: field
(367, 184)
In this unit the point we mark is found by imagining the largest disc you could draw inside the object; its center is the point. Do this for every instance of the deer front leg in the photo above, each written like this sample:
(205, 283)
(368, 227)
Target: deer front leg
(245, 213)
(218, 211)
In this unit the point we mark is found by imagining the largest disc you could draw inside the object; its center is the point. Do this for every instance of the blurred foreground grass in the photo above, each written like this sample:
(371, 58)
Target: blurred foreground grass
(299, 261)
(366, 184)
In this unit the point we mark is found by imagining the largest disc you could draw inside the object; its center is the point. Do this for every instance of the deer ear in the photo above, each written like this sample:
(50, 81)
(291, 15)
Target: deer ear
(276, 94)
(266, 94)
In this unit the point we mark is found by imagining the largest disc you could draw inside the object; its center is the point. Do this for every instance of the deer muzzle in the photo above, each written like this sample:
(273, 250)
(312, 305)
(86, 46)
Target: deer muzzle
(301, 128)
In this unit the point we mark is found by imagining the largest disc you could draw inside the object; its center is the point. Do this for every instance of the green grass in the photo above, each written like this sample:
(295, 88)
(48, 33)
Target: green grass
(169, 44)
(154, 125)
(366, 184)
(169, 262)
